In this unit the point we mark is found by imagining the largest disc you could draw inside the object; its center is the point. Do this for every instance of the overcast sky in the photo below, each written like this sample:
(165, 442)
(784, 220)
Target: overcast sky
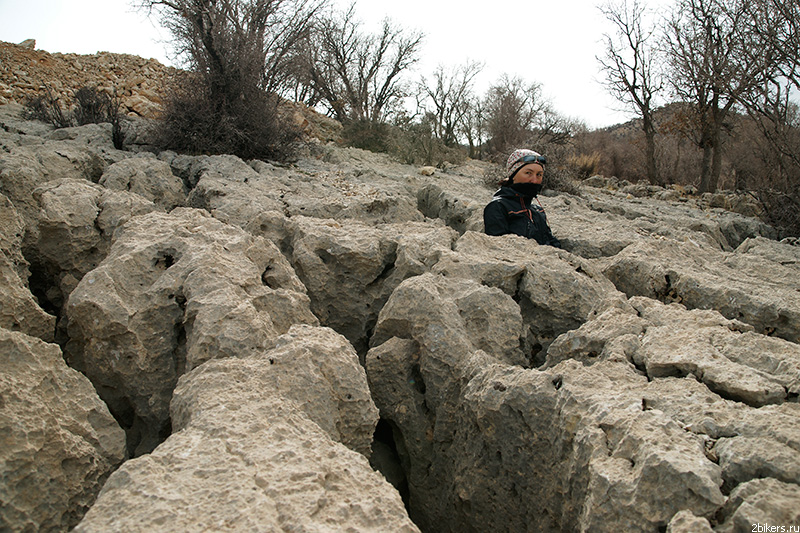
(553, 43)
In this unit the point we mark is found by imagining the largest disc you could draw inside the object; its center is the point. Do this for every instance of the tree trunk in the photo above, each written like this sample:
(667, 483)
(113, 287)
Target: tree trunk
(650, 149)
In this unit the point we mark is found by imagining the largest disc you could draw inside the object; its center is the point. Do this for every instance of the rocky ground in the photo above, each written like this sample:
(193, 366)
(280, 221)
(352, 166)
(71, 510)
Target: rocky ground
(205, 343)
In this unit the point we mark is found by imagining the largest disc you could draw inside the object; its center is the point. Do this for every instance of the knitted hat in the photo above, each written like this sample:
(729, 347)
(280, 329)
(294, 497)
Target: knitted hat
(515, 161)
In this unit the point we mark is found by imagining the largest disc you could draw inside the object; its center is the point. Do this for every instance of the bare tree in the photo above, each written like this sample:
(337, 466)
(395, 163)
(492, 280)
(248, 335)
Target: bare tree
(357, 77)
(777, 24)
(629, 64)
(237, 42)
(473, 127)
(516, 114)
(238, 53)
(717, 58)
(450, 96)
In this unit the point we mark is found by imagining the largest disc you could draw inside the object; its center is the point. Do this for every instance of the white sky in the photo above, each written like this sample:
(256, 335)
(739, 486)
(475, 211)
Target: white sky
(551, 42)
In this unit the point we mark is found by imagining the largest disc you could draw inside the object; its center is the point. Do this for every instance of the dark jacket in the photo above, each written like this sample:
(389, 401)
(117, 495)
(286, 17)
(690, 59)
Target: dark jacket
(510, 212)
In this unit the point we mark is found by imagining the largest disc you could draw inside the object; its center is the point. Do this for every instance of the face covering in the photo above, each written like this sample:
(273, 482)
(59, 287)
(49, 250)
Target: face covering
(528, 190)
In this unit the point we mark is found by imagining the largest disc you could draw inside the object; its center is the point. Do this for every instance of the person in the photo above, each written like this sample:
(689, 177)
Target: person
(512, 210)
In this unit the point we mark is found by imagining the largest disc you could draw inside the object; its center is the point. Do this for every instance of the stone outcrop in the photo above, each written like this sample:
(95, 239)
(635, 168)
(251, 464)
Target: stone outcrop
(741, 285)
(174, 291)
(258, 446)
(19, 310)
(58, 442)
(139, 82)
(243, 320)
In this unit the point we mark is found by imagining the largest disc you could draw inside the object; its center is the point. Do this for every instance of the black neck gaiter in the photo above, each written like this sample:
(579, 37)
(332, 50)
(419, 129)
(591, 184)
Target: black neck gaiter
(529, 190)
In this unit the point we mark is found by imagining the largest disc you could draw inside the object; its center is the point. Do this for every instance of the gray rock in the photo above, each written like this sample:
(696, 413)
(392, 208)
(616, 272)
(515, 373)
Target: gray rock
(253, 450)
(175, 291)
(557, 291)
(569, 448)
(745, 458)
(59, 443)
(765, 502)
(730, 373)
(742, 286)
(76, 223)
(147, 177)
(351, 269)
(29, 167)
(19, 310)
(312, 368)
(687, 522)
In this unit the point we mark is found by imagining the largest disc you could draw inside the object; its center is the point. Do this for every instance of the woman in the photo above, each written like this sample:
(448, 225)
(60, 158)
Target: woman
(511, 209)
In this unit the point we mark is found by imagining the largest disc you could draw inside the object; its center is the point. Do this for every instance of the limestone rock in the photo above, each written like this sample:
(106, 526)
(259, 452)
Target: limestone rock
(742, 286)
(568, 448)
(246, 455)
(19, 310)
(731, 373)
(28, 167)
(76, 222)
(175, 291)
(687, 522)
(557, 291)
(147, 177)
(350, 270)
(313, 368)
(58, 442)
(767, 502)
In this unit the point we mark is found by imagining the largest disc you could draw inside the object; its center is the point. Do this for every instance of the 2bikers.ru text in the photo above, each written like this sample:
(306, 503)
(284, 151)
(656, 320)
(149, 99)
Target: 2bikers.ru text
(764, 528)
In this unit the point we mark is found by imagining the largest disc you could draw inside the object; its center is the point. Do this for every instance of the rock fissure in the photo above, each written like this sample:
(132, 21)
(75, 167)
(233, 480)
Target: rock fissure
(248, 342)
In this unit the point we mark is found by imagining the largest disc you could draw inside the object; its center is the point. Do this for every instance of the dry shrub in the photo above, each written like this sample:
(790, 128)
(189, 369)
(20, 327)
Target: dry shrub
(250, 127)
(91, 106)
(585, 165)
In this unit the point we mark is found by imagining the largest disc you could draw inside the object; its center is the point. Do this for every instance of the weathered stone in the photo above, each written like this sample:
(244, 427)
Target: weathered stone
(350, 270)
(147, 177)
(28, 167)
(783, 254)
(741, 286)
(745, 458)
(766, 502)
(253, 450)
(313, 368)
(459, 211)
(58, 442)
(521, 449)
(174, 291)
(76, 222)
(557, 291)
(687, 522)
(19, 310)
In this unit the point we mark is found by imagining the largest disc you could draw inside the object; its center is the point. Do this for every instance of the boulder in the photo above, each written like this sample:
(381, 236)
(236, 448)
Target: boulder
(556, 290)
(687, 522)
(75, 225)
(488, 444)
(739, 285)
(258, 447)
(350, 269)
(19, 310)
(58, 442)
(174, 291)
(602, 223)
(147, 177)
(761, 502)
(712, 376)
(29, 167)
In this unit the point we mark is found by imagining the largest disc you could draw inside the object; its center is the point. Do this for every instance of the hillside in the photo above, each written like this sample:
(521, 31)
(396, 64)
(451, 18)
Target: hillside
(202, 343)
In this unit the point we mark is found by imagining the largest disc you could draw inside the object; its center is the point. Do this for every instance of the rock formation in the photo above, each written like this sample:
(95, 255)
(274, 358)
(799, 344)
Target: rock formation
(255, 339)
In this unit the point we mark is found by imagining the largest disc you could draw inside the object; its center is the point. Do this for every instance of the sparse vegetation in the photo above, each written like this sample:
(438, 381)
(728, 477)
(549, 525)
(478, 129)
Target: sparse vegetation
(90, 106)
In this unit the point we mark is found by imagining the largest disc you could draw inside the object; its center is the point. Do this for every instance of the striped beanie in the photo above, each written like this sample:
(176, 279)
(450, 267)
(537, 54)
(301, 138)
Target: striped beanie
(515, 161)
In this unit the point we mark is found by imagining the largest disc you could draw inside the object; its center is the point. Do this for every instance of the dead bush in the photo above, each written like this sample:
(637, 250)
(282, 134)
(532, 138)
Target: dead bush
(90, 106)
(250, 127)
